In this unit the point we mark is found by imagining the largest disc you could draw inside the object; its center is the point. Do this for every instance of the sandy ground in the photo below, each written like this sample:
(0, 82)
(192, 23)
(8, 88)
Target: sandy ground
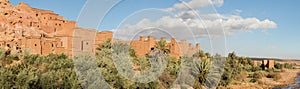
(287, 78)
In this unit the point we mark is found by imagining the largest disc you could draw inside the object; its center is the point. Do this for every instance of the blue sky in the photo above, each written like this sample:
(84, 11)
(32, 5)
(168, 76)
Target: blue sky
(280, 42)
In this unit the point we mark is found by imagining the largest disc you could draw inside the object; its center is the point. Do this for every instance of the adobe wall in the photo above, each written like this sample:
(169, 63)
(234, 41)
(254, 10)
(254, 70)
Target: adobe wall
(33, 44)
(174, 48)
(59, 46)
(145, 45)
(84, 41)
(48, 46)
(271, 63)
(255, 63)
(101, 37)
(23, 27)
(24, 15)
(267, 64)
(45, 32)
(4, 4)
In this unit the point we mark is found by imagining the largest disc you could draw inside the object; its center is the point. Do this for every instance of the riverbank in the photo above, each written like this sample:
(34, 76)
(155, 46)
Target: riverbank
(288, 77)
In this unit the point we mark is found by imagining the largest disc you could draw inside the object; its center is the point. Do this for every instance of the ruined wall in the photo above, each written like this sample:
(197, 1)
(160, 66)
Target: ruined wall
(267, 64)
(271, 63)
(174, 48)
(255, 63)
(187, 49)
(44, 32)
(145, 45)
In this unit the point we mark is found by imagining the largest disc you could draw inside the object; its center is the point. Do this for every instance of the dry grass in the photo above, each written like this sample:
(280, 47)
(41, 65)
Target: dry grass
(284, 78)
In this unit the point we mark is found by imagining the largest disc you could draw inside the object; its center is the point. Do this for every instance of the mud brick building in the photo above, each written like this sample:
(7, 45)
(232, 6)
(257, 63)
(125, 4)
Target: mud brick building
(265, 63)
(177, 49)
(44, 32)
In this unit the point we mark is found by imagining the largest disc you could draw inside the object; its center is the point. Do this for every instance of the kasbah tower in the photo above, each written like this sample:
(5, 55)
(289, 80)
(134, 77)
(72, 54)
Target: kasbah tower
(44, 32)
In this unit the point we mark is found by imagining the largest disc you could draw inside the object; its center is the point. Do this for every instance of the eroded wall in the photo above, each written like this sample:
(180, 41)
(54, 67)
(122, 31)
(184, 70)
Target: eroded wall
(144, 45)
(44, 32)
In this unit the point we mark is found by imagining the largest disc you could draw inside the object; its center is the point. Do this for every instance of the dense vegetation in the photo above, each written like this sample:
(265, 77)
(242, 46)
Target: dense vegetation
(52, 71)
(59, 71)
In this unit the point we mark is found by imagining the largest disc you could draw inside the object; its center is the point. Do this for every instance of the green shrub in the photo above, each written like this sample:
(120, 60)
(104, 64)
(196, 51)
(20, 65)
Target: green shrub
(14, 57)
(257, 75)
(248, 67)
(31, 73)
(8, 61)
(253, 80)
(288, 65)
(275, 76)
(270, 70)
(30, 59)
(254, 69)
(278, 66)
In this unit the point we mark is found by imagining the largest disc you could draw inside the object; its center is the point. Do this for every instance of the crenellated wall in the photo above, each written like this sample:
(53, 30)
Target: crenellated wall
(44, 32)
(144, 45)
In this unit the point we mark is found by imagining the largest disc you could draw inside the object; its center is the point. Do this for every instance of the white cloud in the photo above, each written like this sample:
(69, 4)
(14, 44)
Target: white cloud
(237, 12)
(189, 23)
(182, 25)
(218, 2)
(168, 10)
(194, 4)
(248, 24)
(188, 14)
(198, 4)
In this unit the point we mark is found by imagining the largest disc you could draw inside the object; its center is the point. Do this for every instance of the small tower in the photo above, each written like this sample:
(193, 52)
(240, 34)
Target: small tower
(142, 38)
(163, 39)
(150, 38)
(183, 42)
(198, 46)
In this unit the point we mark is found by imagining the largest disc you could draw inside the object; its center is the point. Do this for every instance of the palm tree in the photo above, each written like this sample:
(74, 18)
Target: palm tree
(200, 54)
(2, 55)
(104, 48)
(162, 45)
(201, 72)
(107, 44)
(132, 52)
